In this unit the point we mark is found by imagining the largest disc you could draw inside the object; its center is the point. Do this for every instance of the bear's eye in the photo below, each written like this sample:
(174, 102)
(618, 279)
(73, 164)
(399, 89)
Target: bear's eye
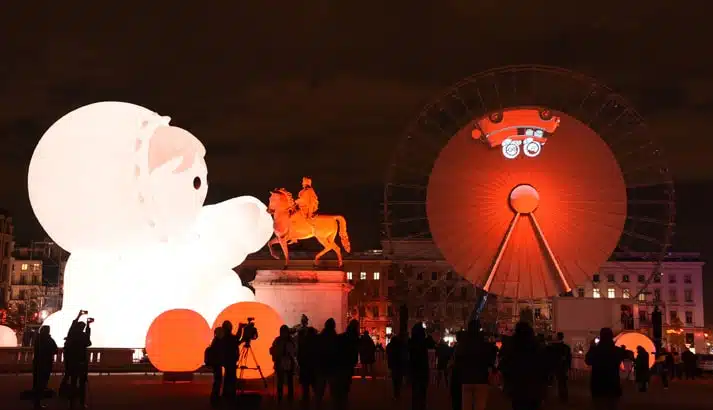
(197, 183)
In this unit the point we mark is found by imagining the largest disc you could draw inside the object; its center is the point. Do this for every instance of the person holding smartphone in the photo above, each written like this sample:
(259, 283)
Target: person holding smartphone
(76, 358)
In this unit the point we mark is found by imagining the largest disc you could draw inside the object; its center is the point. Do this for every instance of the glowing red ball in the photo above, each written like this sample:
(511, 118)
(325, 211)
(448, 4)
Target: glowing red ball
(177, 339)
(267, 322)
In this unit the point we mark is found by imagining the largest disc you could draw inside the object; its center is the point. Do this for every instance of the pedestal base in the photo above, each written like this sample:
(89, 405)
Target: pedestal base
(316, 293)
(173, 377)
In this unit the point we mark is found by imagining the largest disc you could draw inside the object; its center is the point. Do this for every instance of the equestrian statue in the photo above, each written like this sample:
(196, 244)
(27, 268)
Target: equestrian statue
(296, 220)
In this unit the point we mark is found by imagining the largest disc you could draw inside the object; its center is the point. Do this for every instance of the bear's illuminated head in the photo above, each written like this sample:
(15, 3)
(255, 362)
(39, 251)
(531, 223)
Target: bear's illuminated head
(113, 175)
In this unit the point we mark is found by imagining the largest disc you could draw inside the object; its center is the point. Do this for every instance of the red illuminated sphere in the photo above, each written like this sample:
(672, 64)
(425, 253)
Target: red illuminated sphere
(267, 322)
(633, 339)
(572, 194)
(176, 341)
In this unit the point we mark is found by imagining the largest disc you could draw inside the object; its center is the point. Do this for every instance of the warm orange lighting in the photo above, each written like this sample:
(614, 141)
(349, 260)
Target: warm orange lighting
(527, 228)
(267, 322)
(176, 341)
(633, 339)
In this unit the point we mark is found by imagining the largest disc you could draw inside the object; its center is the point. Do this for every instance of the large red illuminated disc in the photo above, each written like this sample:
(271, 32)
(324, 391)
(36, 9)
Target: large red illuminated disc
(578, 200)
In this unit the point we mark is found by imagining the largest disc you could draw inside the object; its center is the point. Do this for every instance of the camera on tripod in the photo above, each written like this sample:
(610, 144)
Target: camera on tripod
(249, 331)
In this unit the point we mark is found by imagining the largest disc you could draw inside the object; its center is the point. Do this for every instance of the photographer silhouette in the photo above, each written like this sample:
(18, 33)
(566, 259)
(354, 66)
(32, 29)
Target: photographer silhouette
(248, 331)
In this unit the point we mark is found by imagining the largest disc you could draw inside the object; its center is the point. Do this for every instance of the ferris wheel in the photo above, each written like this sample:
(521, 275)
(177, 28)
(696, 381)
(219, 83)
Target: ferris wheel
(528, 178)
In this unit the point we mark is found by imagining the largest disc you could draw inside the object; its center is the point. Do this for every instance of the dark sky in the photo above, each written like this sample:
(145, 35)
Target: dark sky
(278, 89)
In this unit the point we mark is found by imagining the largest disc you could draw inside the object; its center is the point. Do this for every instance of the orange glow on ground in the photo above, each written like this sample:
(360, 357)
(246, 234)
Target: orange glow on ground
(580, 209)
(176, 341)
(633, 339)
(267, 322)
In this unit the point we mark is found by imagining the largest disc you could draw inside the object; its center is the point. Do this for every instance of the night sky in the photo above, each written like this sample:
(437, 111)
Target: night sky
(277, 90)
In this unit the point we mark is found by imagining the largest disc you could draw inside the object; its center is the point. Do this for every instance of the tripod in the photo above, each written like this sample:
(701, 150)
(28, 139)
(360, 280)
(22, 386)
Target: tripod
(246, 351)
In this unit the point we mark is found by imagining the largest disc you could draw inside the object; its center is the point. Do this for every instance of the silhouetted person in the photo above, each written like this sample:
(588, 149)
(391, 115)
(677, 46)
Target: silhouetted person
(367, 355)
(347, 358)
(605, 358)
(444, 353)
(231, 353)
(560, 355)
(44, 351)
(214, 359)
(283, 352)
(308, 359)
(397, 360)
(689, 364)
(524, 367)
(456, 376)
(641, 369)
(327, 362)
(76, 357)
(418, 366)
(475, 358)
(665, 367)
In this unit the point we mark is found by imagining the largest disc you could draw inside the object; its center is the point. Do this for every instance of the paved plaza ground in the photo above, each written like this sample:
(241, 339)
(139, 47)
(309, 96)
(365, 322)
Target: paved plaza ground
(149, 392)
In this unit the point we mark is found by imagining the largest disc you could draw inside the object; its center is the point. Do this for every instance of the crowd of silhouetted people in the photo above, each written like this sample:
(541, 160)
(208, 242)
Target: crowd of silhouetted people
(525, 366)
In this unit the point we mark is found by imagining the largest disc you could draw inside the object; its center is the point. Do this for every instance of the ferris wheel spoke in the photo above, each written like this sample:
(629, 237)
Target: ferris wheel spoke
(499, 255)
(565, 285)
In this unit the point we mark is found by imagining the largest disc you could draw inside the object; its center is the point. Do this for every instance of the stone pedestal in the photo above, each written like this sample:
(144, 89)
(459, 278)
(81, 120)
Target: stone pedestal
(318, 294)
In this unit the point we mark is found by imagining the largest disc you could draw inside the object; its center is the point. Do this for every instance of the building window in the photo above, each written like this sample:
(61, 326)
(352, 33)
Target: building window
(611, 293)
(350, 276)
(672, 295)
(419, 276)
(626, 293)
(687, 279)
(24, 266)
(671, 278)
(376, 275)
(465, 312)
(464, 293)
(362, 275)
(595, 278)
(657, 278)
(580, 292)
(596, 293)
(642, 297)
(610, 278)
(419, 311)
(657, 295)
(538, 313)
(625, 278)
(449, 310)
(434, 275)
(688, 296)
(36, 266)
(375, 312)
(641, 278)
(689, 318)
(672, 315)
(391, 292)
(643, 316)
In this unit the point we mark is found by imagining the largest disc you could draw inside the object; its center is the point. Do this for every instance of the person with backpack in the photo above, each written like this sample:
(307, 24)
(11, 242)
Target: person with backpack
(283, 351)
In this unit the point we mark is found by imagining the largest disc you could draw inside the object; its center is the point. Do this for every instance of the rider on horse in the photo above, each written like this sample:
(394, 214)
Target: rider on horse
(307, 201)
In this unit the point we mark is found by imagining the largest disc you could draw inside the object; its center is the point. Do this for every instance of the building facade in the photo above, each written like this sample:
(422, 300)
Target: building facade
(7, 244)
(26, 290)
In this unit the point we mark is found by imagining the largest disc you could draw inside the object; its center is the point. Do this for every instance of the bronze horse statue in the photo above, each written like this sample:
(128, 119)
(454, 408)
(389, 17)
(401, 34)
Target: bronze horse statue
(292, 226)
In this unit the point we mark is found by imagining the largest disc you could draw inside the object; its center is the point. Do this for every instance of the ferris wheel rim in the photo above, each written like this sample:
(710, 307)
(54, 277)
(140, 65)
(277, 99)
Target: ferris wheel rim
(578, 80)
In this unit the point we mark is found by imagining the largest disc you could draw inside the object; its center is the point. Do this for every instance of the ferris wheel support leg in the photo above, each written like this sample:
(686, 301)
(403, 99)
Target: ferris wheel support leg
(499, 255)
(565, 285)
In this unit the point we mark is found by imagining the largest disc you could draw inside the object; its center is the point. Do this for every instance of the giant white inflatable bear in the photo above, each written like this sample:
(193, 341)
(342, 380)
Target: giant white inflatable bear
(120, 189)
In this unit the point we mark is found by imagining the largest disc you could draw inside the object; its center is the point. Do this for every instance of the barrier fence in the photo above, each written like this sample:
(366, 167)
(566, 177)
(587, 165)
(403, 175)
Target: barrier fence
(107, 361)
